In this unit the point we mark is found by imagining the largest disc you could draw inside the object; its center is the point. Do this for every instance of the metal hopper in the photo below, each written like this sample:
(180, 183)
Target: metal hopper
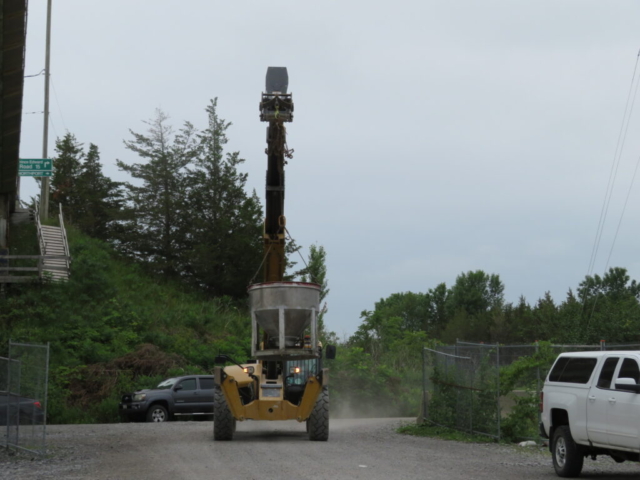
(285, 311)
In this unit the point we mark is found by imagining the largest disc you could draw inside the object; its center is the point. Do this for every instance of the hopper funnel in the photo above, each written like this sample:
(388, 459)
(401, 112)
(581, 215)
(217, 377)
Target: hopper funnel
(284, 311)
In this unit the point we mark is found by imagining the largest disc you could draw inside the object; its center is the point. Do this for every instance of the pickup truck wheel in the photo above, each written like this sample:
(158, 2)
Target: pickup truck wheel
(567, 455)
(224, 425)
(157, 413)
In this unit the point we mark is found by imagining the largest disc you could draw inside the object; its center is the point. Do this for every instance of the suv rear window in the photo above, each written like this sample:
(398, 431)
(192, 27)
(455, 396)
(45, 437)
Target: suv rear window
(573, 370)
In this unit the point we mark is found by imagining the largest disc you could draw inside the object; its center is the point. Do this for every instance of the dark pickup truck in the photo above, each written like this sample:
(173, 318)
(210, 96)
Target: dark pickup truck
(188, 395)
(22, 410)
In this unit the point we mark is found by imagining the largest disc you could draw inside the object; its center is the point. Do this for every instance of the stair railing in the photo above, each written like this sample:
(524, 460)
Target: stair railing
(64, 239)
(39, 229)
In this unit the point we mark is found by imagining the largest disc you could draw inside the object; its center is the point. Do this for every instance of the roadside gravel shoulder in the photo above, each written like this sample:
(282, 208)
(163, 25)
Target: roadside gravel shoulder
(367, 449)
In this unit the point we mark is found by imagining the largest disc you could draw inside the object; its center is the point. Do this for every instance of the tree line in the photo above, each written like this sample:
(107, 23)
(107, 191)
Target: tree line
(474, 309)
(185, 214)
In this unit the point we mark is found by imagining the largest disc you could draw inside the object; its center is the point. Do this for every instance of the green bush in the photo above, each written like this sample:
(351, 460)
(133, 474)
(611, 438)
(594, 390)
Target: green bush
(522, 422)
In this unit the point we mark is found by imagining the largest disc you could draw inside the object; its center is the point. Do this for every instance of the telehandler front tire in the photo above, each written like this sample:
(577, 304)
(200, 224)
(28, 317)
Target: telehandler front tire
(318, 422)
(224, 425)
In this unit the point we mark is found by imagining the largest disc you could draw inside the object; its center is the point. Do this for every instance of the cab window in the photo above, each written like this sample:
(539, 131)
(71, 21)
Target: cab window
(206, 383)
(573, 370)
(188, 384)
(629, 369)
(606, 375)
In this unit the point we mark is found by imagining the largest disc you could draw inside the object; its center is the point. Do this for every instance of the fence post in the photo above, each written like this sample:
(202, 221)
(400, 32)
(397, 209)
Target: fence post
(603, 345)
(46, 400)
(457, 373)
(424, 386)
(9, 402)
(538, 391)
(6, 442)
(498, 385)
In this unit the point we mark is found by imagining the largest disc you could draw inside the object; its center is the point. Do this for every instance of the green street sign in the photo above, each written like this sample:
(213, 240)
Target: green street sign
(35, 167)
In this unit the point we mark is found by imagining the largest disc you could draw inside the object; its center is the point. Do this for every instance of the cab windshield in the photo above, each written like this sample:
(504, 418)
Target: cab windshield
(166, 384)
(307, 368)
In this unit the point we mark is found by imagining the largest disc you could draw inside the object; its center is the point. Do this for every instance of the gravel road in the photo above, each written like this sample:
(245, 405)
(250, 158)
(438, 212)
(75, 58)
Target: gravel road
(357, 449)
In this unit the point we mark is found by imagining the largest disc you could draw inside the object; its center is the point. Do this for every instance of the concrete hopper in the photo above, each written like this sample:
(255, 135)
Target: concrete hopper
(285, 311)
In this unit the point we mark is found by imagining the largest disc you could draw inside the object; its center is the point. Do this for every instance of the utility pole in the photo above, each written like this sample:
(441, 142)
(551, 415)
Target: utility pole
(44, 184)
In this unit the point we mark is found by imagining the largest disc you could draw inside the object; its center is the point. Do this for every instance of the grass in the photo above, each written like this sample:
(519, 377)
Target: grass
(107, 311)
(443, 433)
(24, 241)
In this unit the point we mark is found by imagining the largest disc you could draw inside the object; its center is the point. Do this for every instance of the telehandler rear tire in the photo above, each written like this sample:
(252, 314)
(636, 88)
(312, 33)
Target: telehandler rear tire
(318, 422)
(224, 425)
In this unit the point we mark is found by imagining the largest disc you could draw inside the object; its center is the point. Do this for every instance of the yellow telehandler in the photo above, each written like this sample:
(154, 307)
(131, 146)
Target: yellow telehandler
(285, 379)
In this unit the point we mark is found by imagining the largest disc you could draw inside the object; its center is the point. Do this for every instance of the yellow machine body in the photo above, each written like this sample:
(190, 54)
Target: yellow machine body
(266, 406)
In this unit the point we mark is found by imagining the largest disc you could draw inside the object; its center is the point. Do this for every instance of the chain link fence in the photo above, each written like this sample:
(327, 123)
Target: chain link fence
(23, 396)
(462, 386)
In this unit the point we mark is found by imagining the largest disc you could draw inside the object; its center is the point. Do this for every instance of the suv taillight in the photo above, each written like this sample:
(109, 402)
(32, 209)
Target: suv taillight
(37, 404)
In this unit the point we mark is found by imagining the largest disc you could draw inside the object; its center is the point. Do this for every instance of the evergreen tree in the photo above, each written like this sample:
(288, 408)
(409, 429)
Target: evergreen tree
(153, 224)
(64, 182)
(316, 272)
(224, 245)
(101, 198)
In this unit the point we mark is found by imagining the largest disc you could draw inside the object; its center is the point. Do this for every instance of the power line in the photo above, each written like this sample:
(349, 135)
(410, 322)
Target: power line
(614, 166)
(615, 237)
(626, 201)
(36, 75)
(55, 94)
(626, 120)
(54, 127)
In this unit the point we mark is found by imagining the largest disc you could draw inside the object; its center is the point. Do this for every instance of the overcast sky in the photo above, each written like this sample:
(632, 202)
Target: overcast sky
(431, 138)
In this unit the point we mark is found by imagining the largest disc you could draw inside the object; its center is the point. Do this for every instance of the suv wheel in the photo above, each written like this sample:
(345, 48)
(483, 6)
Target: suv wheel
(157, 413)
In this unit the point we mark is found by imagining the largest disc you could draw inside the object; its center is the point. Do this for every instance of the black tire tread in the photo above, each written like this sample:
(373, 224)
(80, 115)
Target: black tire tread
(318, 422)
(574, 457)
(224, 425)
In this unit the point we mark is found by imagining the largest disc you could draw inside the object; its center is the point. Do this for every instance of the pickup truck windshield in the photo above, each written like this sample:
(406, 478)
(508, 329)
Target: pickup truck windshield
(166, 384)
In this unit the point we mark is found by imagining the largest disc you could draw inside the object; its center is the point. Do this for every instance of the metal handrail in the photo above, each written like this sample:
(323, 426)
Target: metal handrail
(64, 238)
(4, 270)
(41, 241)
